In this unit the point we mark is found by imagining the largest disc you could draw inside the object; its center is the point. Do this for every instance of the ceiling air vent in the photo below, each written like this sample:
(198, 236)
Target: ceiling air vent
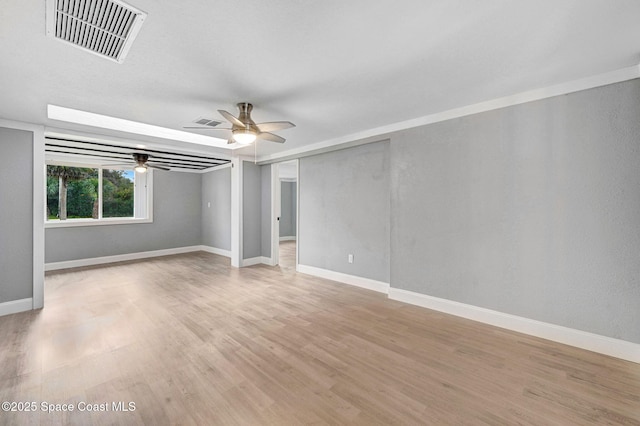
(104, 27)
(207, 122)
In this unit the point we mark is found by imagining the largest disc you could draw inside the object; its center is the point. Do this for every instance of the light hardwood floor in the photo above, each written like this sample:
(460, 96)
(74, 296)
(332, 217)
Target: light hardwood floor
(191, 340)
(287, 255)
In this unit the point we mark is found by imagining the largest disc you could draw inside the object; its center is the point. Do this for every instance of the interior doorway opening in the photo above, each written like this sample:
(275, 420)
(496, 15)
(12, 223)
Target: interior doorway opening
(285, 223)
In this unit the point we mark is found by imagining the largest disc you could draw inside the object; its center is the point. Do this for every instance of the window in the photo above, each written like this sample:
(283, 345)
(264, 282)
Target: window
(78, 196)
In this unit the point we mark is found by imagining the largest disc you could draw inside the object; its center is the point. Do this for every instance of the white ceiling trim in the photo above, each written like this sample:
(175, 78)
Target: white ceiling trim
(70, 115)
(211, 169)
(53, 132)
(604, 79)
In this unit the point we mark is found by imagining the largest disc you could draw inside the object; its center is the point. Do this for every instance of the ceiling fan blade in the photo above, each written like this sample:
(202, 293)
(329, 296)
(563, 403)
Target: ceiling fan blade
(231, 119)
(157, 167)
(272, 126)
(270, 137)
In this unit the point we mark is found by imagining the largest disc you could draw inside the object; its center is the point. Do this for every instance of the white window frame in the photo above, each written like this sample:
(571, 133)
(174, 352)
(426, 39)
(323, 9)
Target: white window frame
(142, 203)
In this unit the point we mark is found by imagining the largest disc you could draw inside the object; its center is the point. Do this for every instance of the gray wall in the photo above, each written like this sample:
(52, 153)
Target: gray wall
(532, 210)
(216, 218)
(288, 194)
(266, 211)
(344, 208)
(251, 210)
(176, 223)
(16, 214)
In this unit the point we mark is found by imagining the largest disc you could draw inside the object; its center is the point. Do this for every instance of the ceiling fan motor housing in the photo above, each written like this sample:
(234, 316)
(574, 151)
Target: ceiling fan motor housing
(140, 158)
(245, 109)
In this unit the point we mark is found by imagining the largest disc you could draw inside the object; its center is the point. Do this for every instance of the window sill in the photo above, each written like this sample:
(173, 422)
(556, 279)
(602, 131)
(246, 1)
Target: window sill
(95, 222)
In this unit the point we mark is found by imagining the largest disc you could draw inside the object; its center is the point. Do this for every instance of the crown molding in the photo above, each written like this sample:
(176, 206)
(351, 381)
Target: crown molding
(378, 133)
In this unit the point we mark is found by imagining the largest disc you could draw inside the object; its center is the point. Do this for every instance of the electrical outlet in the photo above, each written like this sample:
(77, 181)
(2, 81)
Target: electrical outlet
(350, 258)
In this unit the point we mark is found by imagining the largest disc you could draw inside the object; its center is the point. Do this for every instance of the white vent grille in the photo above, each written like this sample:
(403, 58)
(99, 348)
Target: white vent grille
(104, 27)
(206, 122)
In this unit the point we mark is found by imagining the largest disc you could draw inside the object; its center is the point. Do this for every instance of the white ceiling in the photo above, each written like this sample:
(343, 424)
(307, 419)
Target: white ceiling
(334, 68)
(288, 170)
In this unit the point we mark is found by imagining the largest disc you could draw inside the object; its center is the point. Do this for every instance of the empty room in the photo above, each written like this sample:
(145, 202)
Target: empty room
(291, 213)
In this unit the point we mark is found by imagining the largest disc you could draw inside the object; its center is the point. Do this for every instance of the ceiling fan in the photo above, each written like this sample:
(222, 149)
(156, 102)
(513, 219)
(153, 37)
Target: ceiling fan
(142, 163)
(244, 130)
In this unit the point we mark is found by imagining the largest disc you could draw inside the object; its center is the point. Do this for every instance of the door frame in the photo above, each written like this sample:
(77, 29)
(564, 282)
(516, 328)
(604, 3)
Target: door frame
(276, 200)
(275, 214)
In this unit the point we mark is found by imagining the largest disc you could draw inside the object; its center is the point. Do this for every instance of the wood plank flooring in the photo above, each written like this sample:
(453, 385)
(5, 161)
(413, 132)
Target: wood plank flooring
(191, 340)
(287, 255)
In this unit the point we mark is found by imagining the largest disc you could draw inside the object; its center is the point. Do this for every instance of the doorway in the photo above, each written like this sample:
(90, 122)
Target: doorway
(285, 203)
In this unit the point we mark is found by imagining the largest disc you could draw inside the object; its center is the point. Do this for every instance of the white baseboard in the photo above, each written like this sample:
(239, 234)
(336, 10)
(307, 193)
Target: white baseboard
(52, 266)
(15, 306)
(290, 238)
(268, 261)
(255, 261)
(215, 250)
(593, 342)
(354, 280)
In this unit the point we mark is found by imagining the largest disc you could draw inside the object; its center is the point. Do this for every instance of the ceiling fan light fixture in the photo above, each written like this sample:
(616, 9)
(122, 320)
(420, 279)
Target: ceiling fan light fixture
(244, 136)
(140, 168)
